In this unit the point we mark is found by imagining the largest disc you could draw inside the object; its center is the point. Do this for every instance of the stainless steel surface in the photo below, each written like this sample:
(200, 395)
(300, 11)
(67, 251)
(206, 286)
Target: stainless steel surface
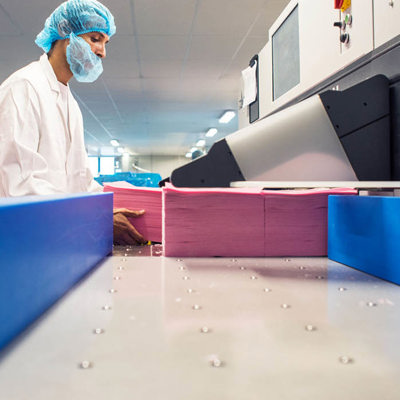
(298, 328)
(293, 143)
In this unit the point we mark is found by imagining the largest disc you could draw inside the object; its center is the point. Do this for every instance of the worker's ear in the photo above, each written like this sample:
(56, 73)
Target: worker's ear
(64, 43)
(53, 45)
(57, 45)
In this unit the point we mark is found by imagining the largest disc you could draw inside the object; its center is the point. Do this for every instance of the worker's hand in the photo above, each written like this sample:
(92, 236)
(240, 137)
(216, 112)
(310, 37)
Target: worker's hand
(124, 232)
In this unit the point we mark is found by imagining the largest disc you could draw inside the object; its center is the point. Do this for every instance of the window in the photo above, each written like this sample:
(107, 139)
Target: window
(107, 165)
(94, 165)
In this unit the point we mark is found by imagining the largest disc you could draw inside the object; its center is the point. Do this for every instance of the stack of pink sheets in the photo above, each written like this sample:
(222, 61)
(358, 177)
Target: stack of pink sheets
(226, 222)
(140, 198)
(213, 222)
(245, 223)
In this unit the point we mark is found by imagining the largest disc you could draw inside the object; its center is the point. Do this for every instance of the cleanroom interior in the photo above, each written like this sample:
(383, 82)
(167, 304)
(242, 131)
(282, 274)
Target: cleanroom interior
(129, 322)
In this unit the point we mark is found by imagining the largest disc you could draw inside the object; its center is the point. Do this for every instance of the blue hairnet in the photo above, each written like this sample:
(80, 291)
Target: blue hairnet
(78, 17)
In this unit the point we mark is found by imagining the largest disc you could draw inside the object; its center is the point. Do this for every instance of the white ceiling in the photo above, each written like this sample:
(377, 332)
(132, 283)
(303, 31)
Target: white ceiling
(171, 70)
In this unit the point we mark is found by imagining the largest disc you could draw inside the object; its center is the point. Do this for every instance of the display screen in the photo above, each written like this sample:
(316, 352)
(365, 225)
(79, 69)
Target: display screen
(286, 55)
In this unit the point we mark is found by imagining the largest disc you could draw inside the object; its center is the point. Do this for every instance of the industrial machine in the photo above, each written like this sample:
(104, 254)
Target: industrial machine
(342, 136)
(326, 107)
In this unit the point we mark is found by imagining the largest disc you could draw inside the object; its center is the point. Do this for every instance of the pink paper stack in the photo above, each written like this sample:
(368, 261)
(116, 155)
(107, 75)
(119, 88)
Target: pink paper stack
(230, 222)
(245, 223)
(140, 198)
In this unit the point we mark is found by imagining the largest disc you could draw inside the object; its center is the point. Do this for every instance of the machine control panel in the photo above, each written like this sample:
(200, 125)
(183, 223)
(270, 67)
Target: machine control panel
(345, 38)
(342, 4)
(345, 22)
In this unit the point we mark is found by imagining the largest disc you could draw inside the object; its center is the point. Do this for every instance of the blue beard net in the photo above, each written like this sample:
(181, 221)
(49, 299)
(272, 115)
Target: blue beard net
(84, 64)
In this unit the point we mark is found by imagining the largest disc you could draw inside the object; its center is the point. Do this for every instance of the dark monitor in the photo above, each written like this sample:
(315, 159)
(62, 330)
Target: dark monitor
(286, 55)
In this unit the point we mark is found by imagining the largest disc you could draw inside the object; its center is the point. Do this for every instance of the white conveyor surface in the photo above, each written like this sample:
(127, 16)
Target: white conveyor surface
(147, 327)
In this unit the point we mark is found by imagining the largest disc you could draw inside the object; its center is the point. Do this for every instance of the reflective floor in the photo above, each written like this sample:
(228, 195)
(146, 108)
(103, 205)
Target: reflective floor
(142, 326)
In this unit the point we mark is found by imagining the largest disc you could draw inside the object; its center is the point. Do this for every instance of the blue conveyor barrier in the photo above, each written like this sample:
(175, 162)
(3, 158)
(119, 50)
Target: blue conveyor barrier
(47, 244)
(364, 233)
(137, 179)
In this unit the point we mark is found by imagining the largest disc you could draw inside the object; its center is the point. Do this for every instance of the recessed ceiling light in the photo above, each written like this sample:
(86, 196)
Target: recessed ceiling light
(201, 143)
(211, 132)
(227, 117)
(120, 150)
(114, 142)
(188, 155)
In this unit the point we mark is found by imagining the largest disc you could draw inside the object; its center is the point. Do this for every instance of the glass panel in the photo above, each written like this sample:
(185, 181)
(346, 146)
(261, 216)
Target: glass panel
(286, 55)
(107, 165)
(94, 165)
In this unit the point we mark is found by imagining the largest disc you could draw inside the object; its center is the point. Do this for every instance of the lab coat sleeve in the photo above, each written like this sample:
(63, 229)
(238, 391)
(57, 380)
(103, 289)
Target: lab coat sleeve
(22, 168)
(93, 186)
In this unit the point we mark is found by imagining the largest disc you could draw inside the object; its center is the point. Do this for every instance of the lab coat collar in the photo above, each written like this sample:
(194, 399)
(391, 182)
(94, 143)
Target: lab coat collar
(55, 86)
(49, 72)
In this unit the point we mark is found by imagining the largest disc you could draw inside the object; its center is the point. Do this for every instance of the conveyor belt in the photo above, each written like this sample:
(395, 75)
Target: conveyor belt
(147, 327)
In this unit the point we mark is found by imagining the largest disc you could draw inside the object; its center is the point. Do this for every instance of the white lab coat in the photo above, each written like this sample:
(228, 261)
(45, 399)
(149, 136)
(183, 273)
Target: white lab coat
(34, 157)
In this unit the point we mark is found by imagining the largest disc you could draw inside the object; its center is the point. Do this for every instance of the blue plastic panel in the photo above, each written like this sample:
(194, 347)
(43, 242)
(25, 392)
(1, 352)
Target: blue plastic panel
(149, 179)
(47, 244)
(364, 233)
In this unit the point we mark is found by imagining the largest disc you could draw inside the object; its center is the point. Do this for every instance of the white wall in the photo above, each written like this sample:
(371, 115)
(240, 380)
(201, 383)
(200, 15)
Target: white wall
(162, 165)
(386, 20)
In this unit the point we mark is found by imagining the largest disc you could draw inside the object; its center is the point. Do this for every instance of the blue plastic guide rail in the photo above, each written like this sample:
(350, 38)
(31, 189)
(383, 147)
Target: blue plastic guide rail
(47, 244)
(364, 233)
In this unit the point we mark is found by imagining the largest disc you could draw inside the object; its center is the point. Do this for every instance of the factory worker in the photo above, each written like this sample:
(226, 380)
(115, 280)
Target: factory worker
(41, 128)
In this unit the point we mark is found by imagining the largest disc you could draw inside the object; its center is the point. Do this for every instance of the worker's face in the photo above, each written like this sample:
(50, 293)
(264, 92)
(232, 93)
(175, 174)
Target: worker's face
(97, 42)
